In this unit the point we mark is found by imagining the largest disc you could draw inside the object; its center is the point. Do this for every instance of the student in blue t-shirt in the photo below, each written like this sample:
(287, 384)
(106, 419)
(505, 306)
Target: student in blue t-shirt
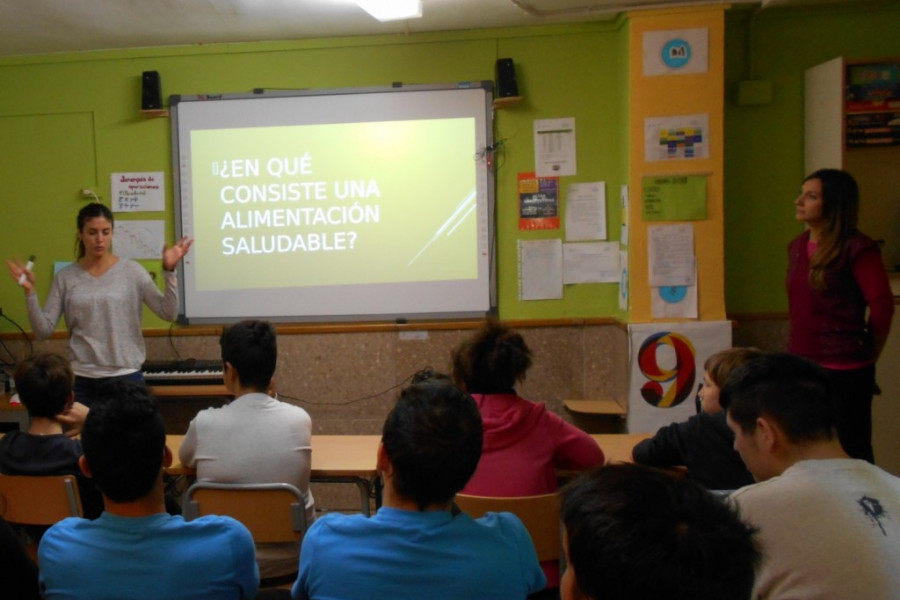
(135, 549)
(416, 545)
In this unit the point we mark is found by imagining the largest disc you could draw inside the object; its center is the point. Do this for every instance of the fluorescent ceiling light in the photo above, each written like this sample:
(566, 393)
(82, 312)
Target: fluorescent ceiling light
(392, 10)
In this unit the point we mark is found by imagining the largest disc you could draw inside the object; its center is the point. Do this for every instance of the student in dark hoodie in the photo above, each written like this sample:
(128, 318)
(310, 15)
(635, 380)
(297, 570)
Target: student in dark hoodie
(524, 443)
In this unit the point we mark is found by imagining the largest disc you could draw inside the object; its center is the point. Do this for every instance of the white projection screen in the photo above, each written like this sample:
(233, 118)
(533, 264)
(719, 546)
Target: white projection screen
(336, 205)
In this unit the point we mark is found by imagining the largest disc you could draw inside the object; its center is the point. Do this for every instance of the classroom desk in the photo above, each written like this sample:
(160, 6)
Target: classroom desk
(335, 459)
(351, 458)
(617, 446)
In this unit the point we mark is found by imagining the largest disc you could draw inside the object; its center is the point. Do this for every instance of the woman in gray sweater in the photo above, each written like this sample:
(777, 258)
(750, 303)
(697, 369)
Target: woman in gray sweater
(101, 296)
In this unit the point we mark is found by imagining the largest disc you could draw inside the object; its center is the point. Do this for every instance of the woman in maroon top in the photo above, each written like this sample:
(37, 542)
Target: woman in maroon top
(835, 275)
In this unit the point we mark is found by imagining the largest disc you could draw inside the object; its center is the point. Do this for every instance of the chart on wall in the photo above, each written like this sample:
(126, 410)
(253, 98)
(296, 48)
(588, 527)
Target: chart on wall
(665, 368)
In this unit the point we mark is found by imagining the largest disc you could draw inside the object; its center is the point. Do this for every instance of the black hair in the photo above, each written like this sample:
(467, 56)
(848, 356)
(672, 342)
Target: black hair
(44, 384)
(492, 361)
(123, 439)
(794, 392)
(251, 348)
(88, 212)
(636, 532)
(432, 437)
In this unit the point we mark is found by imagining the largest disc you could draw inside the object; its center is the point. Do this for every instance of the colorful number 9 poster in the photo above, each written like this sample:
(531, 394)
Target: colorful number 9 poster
(666, 367)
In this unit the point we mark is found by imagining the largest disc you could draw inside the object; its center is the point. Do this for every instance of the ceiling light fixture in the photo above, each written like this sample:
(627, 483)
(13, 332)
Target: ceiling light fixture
(392, 10)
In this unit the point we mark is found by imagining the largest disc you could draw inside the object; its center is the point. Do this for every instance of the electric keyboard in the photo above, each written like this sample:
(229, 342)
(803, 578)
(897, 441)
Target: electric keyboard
(190, 371)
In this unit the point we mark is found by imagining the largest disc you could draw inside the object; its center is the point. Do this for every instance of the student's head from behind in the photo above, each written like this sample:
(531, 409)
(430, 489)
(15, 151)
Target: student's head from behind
(432, 440)
(774, 401)
(44, 384)
(250, 347)
(718, 368)
(124, 441)
(635, 532)
(492, 361)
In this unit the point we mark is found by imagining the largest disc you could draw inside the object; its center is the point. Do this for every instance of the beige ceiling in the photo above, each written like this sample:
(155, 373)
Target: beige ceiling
(46, 26)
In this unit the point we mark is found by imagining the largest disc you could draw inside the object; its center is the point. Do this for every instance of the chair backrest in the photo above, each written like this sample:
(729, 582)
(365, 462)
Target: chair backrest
(273, 512)
(39, 499)
(539, 514)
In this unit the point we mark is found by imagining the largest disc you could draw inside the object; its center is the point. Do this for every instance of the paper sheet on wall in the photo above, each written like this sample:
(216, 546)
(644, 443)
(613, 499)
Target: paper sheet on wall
(591, 262)
(554, 147)
(674, 198)
(623, 198)
(676, 51)
(540, 270)
(623, 280)
(586, 211)
(675, 301)
(665, 367)
(132, 192)
(671, 254)
(140, 239)
(674, 138)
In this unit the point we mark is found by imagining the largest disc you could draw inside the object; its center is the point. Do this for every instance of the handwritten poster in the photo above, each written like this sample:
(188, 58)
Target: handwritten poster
(139, 239)
(134, 192)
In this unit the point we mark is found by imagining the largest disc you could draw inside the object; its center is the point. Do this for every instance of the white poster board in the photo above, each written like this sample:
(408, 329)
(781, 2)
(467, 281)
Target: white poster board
(665, 366)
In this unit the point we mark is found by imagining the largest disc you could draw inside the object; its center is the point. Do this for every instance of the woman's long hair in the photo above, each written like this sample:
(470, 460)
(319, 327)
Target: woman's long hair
(88, 212)
(840, 208)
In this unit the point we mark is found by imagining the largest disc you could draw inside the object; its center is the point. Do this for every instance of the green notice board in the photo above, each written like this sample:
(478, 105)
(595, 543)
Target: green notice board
(674, 198)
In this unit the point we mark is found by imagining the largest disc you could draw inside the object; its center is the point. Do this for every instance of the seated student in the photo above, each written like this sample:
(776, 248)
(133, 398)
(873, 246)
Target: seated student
(135, 549)
(524, 443)
(634, 532)
(416, 546)
(44, 384)
(255, 438)
(18, 573)
(828, 524)
(704, 443)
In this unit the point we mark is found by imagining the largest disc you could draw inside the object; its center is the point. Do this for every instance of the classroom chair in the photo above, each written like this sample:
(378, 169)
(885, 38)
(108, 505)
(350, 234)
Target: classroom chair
(273, 512)
(539, 514)
(38, 500)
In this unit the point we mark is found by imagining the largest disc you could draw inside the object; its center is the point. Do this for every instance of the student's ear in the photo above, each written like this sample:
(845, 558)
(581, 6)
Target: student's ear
(382, 462)
(83, 465)
(768, 434)
(167, 457)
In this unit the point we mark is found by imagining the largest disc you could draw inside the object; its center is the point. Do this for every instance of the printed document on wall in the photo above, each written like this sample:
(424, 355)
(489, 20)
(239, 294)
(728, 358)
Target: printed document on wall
(591, 262)
(676, 138)
(675, 301)
(586, 211)
(140, 239)
(540, 270)
(671, 254)
(554, 147)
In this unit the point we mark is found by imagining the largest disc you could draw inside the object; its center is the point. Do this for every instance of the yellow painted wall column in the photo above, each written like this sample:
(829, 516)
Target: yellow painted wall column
(674, 95)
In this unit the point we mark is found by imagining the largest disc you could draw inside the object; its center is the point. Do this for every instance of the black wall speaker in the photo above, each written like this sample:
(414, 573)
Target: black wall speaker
(151, 91)
(506, 78)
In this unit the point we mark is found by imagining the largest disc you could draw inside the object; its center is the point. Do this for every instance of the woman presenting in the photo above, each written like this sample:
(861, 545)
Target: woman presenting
(101, 296)
(835, 274)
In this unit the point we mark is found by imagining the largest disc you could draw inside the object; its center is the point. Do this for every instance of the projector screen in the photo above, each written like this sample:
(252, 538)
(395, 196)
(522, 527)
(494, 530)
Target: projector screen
(358, 204)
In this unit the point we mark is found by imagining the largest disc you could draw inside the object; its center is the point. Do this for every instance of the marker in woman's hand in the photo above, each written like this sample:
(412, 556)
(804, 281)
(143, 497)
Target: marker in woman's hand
(24, 276)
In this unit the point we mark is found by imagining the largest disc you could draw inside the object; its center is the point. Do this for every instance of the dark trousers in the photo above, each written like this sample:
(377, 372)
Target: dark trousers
(854, 390)
(87, 388)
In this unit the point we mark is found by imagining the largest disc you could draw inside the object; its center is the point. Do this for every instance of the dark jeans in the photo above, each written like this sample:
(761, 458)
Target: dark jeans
(87, 388)
(854, 389)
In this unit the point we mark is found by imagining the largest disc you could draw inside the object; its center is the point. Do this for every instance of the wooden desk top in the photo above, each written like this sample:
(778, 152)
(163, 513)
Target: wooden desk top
(355, 455)
(332, 456)
(617, 446)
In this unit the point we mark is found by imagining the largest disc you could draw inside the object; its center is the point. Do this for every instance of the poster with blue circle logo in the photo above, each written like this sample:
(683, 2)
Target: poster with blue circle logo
(676, 53)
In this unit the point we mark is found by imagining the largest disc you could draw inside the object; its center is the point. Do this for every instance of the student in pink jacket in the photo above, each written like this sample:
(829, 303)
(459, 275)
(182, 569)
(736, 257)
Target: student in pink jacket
(524, 443)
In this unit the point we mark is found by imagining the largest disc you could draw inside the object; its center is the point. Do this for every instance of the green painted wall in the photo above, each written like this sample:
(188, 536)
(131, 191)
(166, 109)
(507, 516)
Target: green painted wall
(68, 121)
(764, 143)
